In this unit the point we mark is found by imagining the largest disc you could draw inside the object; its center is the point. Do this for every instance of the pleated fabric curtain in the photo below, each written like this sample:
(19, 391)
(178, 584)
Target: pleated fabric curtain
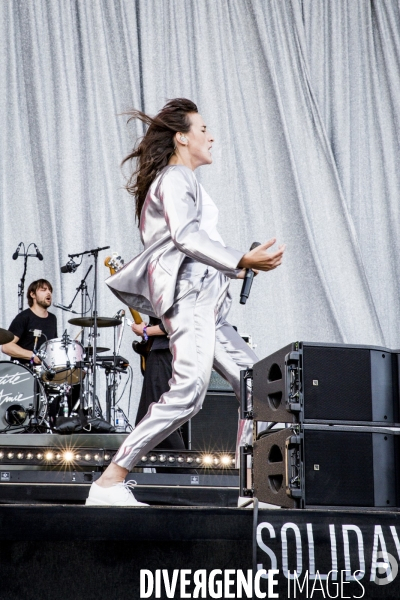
(302, 98)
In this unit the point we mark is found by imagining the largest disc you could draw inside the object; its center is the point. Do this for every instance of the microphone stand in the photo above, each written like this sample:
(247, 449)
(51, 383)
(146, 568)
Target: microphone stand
(81, 288)
(21, 284)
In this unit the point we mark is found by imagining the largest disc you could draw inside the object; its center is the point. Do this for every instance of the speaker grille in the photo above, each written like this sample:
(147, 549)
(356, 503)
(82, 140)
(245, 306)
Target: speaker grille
(215, 426)
(337, 383)
(338, 468)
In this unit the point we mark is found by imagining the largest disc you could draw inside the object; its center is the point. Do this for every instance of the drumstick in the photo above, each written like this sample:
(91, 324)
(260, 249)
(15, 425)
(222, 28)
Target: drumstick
(78, 334)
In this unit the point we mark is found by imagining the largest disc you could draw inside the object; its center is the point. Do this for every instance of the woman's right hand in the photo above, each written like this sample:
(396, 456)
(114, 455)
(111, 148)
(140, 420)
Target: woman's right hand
(262, 260)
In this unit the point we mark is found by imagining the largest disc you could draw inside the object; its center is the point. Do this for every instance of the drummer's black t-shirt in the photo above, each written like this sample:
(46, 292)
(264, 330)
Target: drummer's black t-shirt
(27, 320)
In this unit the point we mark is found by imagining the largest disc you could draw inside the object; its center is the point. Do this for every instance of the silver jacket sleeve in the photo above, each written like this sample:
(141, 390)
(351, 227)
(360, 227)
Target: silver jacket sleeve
(179, 194)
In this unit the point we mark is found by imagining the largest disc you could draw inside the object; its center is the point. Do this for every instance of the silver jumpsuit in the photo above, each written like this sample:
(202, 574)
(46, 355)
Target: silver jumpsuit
(197, 267)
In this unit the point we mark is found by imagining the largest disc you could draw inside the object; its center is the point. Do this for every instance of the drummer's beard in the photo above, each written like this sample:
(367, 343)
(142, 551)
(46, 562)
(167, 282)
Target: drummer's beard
(44, 303)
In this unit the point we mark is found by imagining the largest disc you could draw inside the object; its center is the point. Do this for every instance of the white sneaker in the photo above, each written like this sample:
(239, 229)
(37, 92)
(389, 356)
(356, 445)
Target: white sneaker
(118, 494)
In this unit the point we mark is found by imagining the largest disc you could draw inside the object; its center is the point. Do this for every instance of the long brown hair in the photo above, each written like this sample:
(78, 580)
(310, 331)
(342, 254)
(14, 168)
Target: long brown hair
(156, 147)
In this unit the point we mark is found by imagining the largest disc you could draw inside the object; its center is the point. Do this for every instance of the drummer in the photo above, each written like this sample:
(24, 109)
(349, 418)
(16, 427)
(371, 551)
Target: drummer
(37, 317)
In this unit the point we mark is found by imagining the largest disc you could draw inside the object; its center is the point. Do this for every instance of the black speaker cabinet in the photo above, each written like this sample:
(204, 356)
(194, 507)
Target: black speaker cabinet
(214, 428)
(335, 466)
(327, 383)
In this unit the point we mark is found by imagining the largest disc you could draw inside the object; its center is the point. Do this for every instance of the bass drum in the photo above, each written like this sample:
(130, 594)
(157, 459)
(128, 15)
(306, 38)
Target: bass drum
(17, 396)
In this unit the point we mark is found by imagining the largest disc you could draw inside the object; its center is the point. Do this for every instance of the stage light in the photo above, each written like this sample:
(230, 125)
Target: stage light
(87, 457)
(39, 456)
(78, 457)
(189, 459)
(144, 458)
(49, 456)
(1, 455)
(96, 457)
(162, 458)
(58, 456)
(171, 459)
(207, 459)
(216, 461)
(225, 460)
(153, 458)
(10, 455)
(107, 457)
(198, 460)
(20, 455)
(29, 456)
(68, 456)
(181, 459)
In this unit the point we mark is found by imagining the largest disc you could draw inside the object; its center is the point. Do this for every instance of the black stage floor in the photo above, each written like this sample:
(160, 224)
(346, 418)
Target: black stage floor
(73, 552)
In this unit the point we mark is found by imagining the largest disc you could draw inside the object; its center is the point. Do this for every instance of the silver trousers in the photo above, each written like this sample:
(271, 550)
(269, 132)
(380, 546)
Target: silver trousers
(200, 339)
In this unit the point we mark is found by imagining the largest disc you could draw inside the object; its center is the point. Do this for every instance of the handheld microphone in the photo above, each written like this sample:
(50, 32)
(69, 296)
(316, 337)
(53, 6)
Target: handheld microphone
(70, 267)
(38, 253)
(248, 279)
(16, 253)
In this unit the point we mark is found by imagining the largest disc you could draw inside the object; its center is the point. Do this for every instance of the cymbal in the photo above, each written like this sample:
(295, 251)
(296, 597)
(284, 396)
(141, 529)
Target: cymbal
(89, 321)
(89, 349)
(6, 336)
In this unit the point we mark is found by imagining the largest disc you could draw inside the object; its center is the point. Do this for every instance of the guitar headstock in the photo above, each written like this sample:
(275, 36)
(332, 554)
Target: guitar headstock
(114, 262)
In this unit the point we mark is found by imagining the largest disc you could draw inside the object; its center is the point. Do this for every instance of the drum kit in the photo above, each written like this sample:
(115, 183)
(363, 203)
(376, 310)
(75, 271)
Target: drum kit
(34, 399)
(47, 397)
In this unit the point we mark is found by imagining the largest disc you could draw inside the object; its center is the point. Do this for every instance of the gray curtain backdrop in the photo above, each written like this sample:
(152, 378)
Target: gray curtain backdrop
(303, 99)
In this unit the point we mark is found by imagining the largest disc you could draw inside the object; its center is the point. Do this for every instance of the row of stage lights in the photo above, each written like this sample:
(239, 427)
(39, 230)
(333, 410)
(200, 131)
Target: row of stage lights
(204, 460)
(99, 457)
(50, 457)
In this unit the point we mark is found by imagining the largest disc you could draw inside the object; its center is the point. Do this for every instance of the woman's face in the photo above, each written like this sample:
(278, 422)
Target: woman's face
(199, 141)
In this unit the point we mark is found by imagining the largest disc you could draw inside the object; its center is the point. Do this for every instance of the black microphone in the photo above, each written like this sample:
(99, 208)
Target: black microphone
(248, 280)
(16, 253)
(65, 308)
(70, 267)
(38, 253)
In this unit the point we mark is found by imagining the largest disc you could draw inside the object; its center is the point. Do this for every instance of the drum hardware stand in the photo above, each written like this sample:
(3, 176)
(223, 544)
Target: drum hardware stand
(34, 424)
(92, 359)
(21, 284)
(112, 370)
(65, 390)
(82, 288)
(34, 420)
(111, 379)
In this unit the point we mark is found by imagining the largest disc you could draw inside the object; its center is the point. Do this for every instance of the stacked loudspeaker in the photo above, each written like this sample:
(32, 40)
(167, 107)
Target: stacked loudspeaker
(334, 448)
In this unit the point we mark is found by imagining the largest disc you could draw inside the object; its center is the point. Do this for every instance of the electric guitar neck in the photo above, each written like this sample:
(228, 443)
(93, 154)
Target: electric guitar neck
(115, 263)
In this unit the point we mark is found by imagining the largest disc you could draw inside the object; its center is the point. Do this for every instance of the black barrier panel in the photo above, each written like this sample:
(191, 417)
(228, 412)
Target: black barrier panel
(322, 554)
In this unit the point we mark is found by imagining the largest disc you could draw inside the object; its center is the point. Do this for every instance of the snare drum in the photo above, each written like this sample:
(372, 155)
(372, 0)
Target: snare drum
(62, 355)
(17, 395)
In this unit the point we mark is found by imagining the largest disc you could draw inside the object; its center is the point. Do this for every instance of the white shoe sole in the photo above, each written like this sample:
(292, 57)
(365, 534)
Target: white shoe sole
(92, 502)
